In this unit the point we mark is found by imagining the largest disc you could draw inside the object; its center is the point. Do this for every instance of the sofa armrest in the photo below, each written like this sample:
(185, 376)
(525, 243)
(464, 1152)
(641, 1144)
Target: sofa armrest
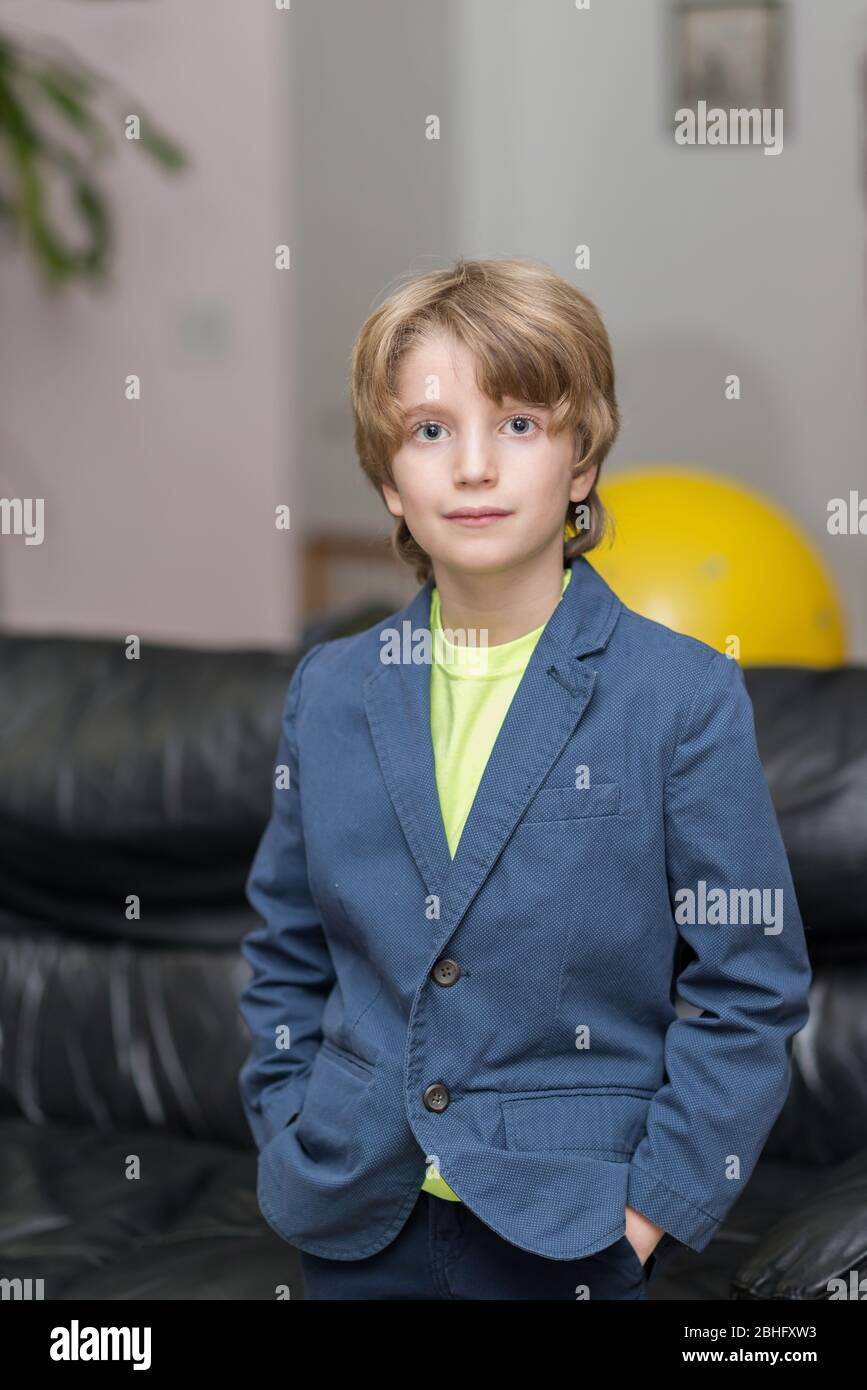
(819, 1249)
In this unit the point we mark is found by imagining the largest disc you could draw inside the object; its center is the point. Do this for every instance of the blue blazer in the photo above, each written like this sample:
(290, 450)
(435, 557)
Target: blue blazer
(509, 1015)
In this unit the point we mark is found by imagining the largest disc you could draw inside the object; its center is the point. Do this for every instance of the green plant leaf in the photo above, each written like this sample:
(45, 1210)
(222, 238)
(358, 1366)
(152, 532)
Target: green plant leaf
(49, 77)
(64, 90)
(161, 148)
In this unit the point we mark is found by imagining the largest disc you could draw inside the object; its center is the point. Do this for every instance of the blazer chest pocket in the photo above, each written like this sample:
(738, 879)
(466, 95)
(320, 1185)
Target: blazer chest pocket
(603, 1123)
(568, 803)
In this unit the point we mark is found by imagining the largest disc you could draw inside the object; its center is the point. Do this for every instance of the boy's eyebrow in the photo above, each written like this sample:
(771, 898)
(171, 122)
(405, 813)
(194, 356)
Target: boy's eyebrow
(509, 403)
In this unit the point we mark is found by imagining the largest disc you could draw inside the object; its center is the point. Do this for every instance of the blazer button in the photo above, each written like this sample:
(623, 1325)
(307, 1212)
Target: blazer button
(445, 972)
(436, 1097)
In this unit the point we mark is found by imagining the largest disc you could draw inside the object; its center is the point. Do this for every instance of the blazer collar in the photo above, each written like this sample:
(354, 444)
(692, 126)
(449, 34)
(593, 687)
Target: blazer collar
(551, 698)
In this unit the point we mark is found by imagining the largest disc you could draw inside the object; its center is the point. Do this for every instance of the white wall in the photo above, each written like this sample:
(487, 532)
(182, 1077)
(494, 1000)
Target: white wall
(159, 513)
(308, 127)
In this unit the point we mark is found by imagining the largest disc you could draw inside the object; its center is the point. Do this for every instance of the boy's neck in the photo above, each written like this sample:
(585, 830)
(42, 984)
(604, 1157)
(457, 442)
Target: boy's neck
(505, 605)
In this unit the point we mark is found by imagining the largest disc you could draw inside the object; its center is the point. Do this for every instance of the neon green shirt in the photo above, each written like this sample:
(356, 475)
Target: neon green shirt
(470, 693)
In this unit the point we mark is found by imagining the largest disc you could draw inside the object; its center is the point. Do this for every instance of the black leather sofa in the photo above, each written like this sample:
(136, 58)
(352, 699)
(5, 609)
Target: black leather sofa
(126, 1167)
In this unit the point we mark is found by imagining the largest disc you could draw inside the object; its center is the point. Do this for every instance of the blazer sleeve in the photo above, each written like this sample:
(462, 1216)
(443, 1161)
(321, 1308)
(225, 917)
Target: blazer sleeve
(728, 1069)
(292, 970)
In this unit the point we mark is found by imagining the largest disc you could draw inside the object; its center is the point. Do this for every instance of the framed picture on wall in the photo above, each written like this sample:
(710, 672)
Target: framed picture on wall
(730, 55)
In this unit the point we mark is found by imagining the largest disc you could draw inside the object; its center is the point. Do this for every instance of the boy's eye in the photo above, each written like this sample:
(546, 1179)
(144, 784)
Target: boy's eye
(523, 420)
(426, 425)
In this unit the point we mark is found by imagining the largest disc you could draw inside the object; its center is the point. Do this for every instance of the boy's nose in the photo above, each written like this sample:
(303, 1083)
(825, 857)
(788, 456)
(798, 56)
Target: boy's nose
(475, 462)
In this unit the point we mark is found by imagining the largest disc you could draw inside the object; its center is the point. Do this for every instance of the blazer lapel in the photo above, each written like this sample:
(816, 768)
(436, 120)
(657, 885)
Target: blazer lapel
(551, 698)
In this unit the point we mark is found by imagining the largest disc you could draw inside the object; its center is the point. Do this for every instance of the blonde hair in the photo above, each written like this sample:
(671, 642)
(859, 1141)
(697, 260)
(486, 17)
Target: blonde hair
(535, 338)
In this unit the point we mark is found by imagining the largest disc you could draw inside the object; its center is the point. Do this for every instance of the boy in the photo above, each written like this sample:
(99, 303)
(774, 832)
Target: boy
(468, 1077)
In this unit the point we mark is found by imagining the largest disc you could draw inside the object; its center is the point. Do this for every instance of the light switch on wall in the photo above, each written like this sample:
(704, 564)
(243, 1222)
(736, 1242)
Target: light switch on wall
(205, 326)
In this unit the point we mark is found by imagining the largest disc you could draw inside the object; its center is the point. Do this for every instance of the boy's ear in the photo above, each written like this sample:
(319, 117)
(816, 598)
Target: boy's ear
(582, 484)
(392, 499)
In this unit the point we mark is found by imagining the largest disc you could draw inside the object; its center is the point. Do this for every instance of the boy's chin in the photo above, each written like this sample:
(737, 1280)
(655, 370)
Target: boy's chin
(471, 561)
(485, 556)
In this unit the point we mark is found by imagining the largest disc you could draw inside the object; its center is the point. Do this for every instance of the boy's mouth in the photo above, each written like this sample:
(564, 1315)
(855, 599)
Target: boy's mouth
(477, 516)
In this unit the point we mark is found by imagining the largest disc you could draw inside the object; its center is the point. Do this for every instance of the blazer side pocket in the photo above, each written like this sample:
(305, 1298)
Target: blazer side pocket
(568, 803)
(604, 1122)
(329, 1127)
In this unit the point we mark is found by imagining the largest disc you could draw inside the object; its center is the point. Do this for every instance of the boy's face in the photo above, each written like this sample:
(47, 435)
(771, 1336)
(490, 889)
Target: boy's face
(462, 450)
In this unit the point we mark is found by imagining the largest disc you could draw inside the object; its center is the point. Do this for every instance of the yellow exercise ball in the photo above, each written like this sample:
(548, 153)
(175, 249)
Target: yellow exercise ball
(714, 559)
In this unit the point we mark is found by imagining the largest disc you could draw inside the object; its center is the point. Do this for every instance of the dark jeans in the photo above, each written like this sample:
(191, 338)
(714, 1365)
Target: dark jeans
(444, 1251)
